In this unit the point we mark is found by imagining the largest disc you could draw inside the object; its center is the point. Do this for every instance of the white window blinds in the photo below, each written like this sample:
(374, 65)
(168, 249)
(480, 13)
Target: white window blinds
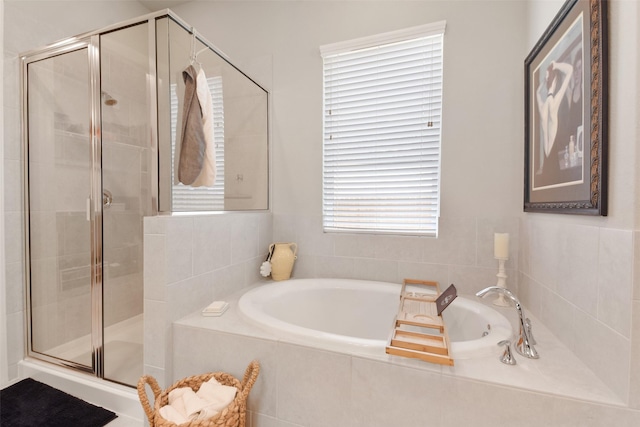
(382, 117)
(187, 198)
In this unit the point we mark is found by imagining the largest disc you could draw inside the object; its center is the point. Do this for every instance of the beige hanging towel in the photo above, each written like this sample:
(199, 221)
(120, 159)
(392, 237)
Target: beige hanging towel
(207, 176)
(193, 141)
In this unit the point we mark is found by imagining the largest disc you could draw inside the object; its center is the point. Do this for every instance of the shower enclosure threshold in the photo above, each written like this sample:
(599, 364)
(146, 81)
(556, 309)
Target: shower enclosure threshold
(118, 398)
(123, 343)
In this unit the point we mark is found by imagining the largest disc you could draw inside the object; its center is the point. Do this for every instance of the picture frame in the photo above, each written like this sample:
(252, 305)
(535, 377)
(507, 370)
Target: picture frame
(566, 103)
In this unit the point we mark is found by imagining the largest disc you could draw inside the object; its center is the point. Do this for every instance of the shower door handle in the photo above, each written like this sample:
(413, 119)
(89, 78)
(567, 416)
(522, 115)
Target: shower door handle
(107, 198)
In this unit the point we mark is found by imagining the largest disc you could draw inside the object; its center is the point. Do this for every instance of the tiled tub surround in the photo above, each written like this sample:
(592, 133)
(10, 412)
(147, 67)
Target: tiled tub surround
(576, 278)
(189, 261)
(307, 384)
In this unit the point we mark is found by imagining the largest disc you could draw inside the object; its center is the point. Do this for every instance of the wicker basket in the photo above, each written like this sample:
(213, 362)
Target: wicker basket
(233, 415)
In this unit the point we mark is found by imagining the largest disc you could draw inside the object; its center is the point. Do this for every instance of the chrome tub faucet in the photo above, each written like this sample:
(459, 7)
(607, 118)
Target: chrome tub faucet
(524, 345)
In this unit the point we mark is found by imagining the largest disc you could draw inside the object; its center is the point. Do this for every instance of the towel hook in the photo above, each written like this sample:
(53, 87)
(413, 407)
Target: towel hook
(193, 56)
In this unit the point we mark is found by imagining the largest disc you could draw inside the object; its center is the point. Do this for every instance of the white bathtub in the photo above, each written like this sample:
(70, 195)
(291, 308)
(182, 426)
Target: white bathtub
(360, 314)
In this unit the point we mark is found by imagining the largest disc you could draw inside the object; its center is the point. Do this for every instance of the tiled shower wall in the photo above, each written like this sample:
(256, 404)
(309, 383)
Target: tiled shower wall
(190, 261)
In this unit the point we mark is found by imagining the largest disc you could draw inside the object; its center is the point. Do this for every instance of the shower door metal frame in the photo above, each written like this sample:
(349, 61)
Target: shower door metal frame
(92, 45)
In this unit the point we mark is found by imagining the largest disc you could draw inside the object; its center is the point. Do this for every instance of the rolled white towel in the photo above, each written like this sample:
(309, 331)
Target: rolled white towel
(177, 402)
(193, 403)
(218, 396)
(186, 405)
(169, 413)
(186, 402)
(206, 413)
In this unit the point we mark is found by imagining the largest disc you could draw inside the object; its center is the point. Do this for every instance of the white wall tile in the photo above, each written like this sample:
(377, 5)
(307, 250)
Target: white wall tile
(159, 375)
(155, 333)
(531, 294)
(245, 238)
(15, 298)
(313, 387)
(335, 267)
(596, 343)
(11, 83)
(375, 269)
(634, 391)
(13, 201)
(399, 248)
(189, 295)
(355, 245)
(524, 245)
(560, 317)
(15, 337)
(155, 279)
(636, 265)
(12, 141)
(571, 413)
(261, 420)
(222, 352)
(285, 228)
(578, 266)
(251, 270)
(211, 243)
(179, 249)
(156, 224)
(227, 280)
(544, 253)
(456, 243)
(482, 405)
(469, 280)
(615, 287)
(304, 267)
(385, 395)
(311, 238)
(266, 236)
(421, 271)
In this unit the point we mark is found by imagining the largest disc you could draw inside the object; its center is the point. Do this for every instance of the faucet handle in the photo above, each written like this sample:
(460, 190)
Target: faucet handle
(527, 324)
(507, 357)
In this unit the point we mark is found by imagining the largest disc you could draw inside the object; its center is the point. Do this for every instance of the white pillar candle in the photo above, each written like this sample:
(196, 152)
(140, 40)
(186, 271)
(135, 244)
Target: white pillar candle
(501, 245)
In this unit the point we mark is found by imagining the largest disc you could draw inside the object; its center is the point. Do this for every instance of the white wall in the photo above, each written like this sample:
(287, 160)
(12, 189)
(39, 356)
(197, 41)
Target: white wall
(278, 44)
(29, 25)
(482, 146)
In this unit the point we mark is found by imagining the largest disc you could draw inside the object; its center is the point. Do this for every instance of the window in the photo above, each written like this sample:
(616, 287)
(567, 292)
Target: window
(382, 121)
(185, 197)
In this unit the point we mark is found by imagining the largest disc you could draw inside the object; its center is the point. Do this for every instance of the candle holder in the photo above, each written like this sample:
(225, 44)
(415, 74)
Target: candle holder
(502, 280)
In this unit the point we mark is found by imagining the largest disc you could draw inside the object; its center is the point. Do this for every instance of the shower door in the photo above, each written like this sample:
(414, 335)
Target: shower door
(88, 186)
(61, 211)
(126, 185)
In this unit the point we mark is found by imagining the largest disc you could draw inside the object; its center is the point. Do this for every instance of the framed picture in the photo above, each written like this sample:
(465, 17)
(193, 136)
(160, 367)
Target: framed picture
(566, 113)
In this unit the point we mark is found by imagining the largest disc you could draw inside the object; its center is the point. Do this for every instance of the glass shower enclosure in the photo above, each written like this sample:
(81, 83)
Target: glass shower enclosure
(98, 127)
(87, 156)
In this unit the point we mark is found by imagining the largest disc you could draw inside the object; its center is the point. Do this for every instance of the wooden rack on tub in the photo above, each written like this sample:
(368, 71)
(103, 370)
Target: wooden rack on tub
(419, 331)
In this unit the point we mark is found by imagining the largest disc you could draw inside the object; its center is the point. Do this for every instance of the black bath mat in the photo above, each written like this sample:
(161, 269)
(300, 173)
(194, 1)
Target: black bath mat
(30, 403)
